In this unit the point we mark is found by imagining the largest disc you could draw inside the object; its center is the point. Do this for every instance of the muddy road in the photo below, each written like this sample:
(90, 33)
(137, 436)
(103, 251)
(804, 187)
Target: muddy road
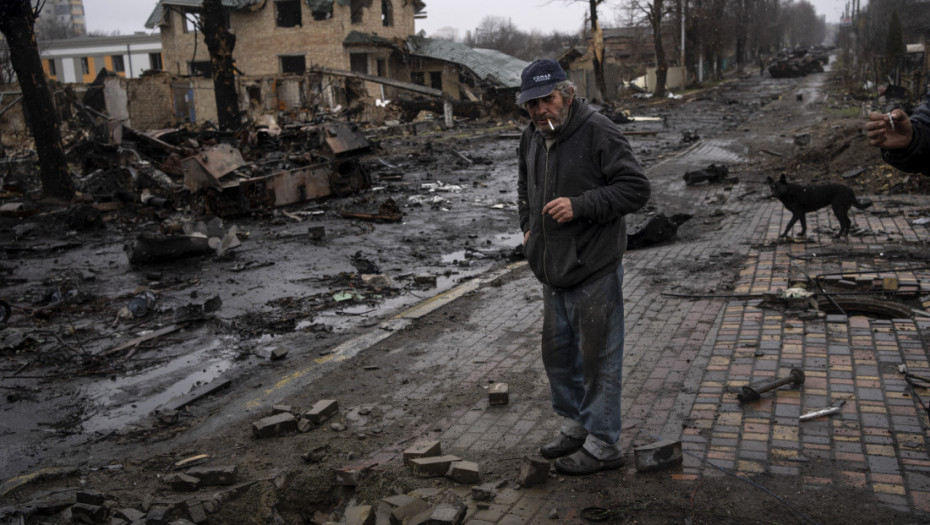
(87, 386)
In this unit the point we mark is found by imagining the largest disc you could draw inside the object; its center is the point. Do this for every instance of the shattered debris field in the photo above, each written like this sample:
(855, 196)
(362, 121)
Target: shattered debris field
(226, 332)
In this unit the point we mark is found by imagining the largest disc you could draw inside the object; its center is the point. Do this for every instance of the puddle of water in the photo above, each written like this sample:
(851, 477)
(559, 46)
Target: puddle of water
(128, 398)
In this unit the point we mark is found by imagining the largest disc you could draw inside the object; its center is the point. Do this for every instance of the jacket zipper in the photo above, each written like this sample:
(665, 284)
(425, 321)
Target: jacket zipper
(542, 221)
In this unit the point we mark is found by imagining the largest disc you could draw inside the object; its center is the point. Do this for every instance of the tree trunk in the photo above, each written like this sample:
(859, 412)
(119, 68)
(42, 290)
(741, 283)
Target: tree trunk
(655, 18)
(598, 41)
(17, 23)
(220, 43)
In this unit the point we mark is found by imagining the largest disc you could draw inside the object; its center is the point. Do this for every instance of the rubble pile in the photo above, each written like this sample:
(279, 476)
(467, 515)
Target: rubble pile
(799, 62)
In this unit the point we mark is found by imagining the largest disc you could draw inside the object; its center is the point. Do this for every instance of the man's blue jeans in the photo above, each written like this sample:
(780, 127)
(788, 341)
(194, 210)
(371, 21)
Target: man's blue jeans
(582, 350)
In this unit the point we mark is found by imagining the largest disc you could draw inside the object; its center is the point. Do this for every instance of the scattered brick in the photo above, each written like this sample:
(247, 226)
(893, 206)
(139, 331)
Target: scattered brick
(359, 515)
(465, 472)
(422, 449)
(322, 410)
(214, 475)
(534, 470)
(434, 466)
(276, 425)
(499, 394)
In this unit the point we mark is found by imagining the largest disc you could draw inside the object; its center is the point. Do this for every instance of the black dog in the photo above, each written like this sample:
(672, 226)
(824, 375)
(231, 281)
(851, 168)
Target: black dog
(801, 200)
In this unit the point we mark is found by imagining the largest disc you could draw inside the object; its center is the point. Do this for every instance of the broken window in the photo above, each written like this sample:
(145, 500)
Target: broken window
(155, 61)
(85, 65)
(117, 61)
(387, 13)
(321, 9)
(356, 9)
(51, 68)
(417, 77)
(201, 69)
(435, 79)
(293, 64)
(381, 64)
(287, 13)
(358, 63)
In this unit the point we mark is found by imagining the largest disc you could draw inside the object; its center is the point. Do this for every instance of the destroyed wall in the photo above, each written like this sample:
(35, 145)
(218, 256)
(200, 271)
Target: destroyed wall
(432, 73)
(13, 119)
(264, 48)
(150, 102)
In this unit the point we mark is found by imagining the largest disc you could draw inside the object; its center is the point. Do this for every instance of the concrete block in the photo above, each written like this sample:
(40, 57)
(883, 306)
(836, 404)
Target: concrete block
(157, 515)
(86, 513)
(129, 514)
(277, 353)
(397, 501)
(422, 449)
(304, 425)
(276, 425)
(465, 472)
(322, 410)
(348, 477)
(499, 394)
(431, 467)
(408, 510)
(195, 511)
(359, 515)
(182, 482)
(534, 470)
(447, 514)
(280, 409)
(657, 456)
(215, 474)
(90, 497)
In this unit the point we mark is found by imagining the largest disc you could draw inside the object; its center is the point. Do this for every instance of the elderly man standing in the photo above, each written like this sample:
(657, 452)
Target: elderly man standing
(578, 178)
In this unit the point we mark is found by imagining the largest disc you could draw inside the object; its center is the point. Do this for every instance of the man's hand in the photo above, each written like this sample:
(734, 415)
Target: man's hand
(559, 209)
(889, 130)
(526, 237)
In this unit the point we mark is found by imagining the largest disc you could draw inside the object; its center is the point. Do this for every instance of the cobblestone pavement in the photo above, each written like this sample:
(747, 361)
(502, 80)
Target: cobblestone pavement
(698, 328)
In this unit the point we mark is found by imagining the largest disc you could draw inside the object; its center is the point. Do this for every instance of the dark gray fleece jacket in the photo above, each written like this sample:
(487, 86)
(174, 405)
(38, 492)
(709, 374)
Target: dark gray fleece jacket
(592, 164)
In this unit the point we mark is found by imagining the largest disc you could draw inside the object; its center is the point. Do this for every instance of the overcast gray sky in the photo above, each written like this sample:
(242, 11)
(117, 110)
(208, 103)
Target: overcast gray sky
(129, 16)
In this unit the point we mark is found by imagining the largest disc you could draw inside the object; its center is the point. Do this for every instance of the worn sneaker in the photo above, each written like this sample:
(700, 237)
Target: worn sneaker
(582, 462)
(560, 446)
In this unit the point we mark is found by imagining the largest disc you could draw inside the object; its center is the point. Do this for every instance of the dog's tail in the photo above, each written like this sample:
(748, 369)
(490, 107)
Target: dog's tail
(862, 204)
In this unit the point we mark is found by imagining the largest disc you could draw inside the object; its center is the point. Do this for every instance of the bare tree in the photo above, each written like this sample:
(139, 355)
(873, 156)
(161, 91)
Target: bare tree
(17, 23)
(654, 12)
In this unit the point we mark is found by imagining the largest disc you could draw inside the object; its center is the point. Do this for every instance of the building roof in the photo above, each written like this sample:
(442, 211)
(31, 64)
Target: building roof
(487, 64)
(156, 17)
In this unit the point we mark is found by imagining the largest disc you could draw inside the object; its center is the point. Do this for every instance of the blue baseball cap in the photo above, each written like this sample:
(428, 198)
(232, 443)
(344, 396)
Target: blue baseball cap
(539, 79)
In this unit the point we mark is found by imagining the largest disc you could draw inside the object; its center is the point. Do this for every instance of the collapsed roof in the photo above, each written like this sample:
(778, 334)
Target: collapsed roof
(491, 66)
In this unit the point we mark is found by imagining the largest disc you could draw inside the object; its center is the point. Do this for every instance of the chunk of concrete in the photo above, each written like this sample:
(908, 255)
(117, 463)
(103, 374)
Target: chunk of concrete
(359, 515)
(87, 513)
(465, 472)
(90, 497)
(195, 511)
(447, 514)
(322, 410)
(276, 425)
(182, 482)
(432, 467)
(657, 456)
(403, 513)
(215, 474)
(534, 470)
(499, 394)
(422, 449)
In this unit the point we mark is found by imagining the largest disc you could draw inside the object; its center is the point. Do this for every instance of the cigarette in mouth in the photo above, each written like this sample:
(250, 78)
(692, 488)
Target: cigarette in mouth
(550, 124)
